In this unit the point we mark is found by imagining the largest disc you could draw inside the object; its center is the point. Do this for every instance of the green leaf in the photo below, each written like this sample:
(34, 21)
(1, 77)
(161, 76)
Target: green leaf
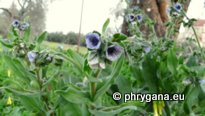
(74, 95)
(8, 45)
(30, 101)
(192, 96)
(105, 25)
(77, 57)
(111, 78)
(172, 61)
(112, 111)
(68, 109)
(27, 34)
(18, 68)
(42, 37)
(119, 37)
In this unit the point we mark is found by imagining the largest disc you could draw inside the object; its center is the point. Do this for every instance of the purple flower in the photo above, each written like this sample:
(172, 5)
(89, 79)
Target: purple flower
(93, 41)
(16, 23)
(31, 56)
(131, 17)
(202, 81)
(147, 49)
(178, 7)
(139, 18)
(113, 52)
(23, 26)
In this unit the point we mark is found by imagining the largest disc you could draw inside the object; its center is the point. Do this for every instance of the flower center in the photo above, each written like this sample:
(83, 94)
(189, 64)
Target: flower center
(132, 17)
(94, 41)
(111, 50)
(178, 7)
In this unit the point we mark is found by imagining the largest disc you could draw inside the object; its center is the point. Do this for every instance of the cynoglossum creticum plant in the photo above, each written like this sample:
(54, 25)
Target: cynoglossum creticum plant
(101, 51)
(31, 82)
(46, 86)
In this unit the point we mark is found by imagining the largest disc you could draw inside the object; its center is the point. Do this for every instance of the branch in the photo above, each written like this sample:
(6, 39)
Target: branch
(20, 4)
(6, 10)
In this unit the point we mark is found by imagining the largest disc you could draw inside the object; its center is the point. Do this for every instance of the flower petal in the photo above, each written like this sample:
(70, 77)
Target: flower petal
(31, 56)
(93, 41)
(113, 52)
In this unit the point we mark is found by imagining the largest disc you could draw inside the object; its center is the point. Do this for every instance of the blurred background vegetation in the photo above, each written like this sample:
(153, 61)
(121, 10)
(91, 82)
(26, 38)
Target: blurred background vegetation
(34, 11)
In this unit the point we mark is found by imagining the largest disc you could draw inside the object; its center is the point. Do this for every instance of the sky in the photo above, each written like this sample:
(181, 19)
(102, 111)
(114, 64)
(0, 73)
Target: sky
(64, 15)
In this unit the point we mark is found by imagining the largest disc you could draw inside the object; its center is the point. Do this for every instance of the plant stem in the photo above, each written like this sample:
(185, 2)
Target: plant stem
(43, 97)
(93, 84)
(39, 78)
(197, 39)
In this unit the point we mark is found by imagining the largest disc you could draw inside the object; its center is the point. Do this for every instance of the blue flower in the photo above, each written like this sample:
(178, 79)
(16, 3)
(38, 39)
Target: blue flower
(147, 49)
(178, 7)
(113, 52)
(23, 26)
(202, 81)
(16, 23)
(131, 17)
(93, 41)
(31, 56)
(139, 18)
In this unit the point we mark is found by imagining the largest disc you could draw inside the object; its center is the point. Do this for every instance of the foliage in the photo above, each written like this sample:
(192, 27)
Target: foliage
(69, 38)
(34, 10)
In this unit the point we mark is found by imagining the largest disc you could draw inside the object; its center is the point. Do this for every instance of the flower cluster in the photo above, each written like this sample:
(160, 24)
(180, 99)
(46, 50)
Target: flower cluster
(175, 10)
(43, 58)
(101, 51)
(132, 18)
(20, 49)
(19, 25)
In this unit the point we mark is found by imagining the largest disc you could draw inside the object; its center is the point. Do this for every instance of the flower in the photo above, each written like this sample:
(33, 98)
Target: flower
(139, 18)
(9, 101)
(16, 23)
(202, 81)
(113, 52)
(93, 41)
(31, 56)
(178, 7)
(131, 17)
(93, 60)
(147, 49)
(23, 26)
(49, 58)
(22, 45)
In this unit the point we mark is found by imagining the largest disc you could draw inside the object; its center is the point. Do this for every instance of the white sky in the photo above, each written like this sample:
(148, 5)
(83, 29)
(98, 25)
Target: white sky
(64, 15)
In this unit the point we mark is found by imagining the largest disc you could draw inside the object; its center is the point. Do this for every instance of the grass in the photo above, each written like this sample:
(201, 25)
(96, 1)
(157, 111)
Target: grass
(55, 45)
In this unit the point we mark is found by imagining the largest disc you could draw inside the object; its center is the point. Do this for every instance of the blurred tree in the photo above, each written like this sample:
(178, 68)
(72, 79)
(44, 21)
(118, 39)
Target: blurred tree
(7, 17)
(156, 10)
(72, 38)
(69, 38)
(34, 10)
(56, 37)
